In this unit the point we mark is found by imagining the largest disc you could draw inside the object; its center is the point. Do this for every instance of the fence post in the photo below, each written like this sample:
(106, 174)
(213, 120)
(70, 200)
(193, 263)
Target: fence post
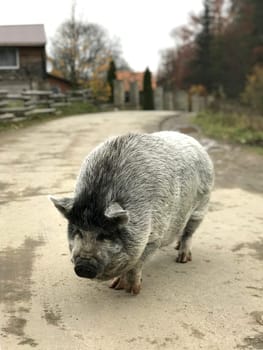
(158, 98)
(118, 93)
(168, 101)
(134, 95)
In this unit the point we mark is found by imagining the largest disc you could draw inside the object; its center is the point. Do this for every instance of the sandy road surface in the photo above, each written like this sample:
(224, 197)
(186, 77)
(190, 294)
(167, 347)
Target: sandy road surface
(214, 302)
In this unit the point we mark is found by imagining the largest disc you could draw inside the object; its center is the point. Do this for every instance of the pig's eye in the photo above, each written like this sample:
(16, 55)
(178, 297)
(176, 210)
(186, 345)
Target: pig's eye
(78, 232)
(102, 237)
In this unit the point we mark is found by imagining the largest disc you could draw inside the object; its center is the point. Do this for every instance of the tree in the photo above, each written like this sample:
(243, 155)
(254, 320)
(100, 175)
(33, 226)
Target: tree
(216, 49)
(254, 89)
(79, 48)
(166, 72)
(98, 85)
(237, 47)
(111, 76)
(202, 63)
(253, 11)
(147, 90)
(174, 70)
(258, 32)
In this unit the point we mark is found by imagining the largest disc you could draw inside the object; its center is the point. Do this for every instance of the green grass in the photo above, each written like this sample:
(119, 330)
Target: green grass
(74, 109)
(233, 127)
(78, 108)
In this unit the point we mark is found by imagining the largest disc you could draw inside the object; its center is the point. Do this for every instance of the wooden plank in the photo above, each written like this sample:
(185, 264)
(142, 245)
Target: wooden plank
(30, 103)
(15, 110)
(60, 104)
(76, 99)
(58, 96)
(3, 103)
(41, 111)
(17, 97)
(38, 102)
(19, 119)
(7, 116)
(37, 93)
(3, 93)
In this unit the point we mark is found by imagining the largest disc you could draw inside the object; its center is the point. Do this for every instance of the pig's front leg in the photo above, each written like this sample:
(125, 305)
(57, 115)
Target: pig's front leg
(131, 280)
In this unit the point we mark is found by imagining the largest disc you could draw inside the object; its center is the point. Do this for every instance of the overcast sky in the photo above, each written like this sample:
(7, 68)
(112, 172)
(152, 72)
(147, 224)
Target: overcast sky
(143, 26)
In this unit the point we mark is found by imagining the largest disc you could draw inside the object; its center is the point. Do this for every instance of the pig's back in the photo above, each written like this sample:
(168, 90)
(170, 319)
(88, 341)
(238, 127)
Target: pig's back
(154, 176)
(193, 181)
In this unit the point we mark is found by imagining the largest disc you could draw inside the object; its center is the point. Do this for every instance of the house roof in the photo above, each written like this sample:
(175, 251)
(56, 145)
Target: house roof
(22, 35)
(127, 77)
(56, 77)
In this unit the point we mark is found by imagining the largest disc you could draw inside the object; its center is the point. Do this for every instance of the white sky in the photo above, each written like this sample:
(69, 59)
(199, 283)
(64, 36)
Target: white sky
(143, 26)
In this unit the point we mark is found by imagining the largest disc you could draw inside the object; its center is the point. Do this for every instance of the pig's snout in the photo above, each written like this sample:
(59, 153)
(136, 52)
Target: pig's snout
(86, 268)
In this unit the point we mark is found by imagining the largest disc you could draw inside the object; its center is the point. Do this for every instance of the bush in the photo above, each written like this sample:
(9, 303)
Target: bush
(253, 94)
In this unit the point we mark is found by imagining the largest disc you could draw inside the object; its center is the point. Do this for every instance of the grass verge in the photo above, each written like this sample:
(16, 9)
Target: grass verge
(234, 128)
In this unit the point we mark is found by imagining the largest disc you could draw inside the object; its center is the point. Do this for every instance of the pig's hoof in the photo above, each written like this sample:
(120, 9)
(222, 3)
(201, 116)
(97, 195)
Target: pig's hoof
(134, 289)
(184, 257)
(118, 283)
(121, 283)
(177, 247)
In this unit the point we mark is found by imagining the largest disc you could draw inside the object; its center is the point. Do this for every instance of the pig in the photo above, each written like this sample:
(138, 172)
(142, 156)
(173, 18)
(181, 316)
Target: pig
(134, 194)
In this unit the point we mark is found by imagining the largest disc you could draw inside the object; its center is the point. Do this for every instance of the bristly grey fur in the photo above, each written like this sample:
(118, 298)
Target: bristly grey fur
(135, 193)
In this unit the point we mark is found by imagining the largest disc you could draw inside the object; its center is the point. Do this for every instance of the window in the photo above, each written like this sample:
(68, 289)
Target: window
(8, 58)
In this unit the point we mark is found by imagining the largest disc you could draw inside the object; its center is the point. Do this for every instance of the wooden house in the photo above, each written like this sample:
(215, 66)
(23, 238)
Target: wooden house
(23, 60)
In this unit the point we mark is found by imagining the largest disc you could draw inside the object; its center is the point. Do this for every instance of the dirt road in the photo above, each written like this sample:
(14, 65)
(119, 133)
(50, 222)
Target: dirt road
(215, 302)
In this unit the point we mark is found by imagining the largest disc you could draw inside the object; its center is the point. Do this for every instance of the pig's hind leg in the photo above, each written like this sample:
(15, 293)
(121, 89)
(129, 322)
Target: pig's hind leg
(184, 244)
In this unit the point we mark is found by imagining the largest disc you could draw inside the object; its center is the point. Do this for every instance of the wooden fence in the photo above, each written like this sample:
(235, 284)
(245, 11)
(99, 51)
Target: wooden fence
(35, 102)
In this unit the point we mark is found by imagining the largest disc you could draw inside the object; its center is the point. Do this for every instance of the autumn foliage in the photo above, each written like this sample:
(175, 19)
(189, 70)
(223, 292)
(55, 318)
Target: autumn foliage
(98, 84)
(217, 49)
(253, 94)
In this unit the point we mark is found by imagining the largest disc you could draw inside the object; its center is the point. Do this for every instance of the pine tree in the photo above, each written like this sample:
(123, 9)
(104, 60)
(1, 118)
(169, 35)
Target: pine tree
(147, 90)
(111, 76)
(240, 42)
(257, 31)
(202, 72)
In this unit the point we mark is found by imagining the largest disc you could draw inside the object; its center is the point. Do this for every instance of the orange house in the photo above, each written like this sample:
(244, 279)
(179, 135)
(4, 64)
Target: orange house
(127, 77)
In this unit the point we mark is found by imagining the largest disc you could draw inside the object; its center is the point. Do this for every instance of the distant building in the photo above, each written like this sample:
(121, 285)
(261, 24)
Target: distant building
(57, 84)
(23, 59)
(127, 77)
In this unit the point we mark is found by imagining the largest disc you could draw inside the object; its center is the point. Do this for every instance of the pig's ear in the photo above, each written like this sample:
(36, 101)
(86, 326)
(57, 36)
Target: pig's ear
(116, 212)
(64, 205)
